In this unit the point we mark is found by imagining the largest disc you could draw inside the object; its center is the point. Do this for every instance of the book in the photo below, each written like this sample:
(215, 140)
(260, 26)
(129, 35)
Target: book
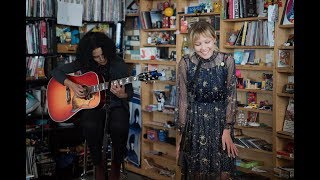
(239, 143)
(238, 57)
(156, 16)
(251, 57)
(259, 144)
(239, 37)
(284, 153)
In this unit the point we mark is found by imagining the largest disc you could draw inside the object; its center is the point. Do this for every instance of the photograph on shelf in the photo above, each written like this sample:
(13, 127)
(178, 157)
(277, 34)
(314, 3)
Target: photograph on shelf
(288, 124)
(134, 129)
(161, 97)
(284, 58)
(133, 155)
(288, 13)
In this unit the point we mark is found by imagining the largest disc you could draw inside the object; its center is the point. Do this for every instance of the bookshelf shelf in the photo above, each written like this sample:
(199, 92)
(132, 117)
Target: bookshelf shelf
(160, 29)
(285, 70)
(157, 112)
(255, 129)
(285, 95)
(157, 142)
(268, 174)
(254, 67)
(255, 110)
(255, 150)
(286, 26)
(255, 90)
(247, 47)
(132, 14)
(199, 14)
(40, 18)
(153, 174)
(31, 79)
(285, 135)
(285, 157)
(160, 62)
(245, 19)
(286, 47)
(162, 82)
(157, 125)
(164, 158)
(105, 22)
(159, 45)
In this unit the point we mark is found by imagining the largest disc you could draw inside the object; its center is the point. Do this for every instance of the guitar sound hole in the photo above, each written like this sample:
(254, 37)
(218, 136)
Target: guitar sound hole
(87, 93)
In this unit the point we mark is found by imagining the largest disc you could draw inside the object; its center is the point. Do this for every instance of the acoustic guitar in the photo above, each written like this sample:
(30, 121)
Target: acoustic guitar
(63, 103)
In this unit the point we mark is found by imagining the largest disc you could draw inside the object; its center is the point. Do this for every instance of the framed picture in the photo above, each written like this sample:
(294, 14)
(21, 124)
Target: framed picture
(288, 13)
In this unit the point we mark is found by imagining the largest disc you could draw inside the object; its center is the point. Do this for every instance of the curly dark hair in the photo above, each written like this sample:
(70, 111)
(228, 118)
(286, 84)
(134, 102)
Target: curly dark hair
(90, 41)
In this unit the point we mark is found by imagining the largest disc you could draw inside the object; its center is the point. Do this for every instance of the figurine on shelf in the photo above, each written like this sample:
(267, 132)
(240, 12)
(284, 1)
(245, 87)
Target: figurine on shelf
(161, 100)
(217, 6)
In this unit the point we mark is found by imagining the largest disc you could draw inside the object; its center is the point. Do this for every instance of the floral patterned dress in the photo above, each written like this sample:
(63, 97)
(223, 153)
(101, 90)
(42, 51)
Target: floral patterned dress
(203, 119)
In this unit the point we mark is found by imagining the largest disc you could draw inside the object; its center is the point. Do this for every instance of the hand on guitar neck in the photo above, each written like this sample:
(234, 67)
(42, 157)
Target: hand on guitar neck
(118, 90)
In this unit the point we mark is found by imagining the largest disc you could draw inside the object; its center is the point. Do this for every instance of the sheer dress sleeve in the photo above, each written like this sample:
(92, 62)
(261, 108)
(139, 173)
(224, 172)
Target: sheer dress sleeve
(231, 92)
(181, 105)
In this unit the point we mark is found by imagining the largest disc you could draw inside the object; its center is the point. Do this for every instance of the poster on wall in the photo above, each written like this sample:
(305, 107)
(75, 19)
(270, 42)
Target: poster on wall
(288, 13)
(135, 124)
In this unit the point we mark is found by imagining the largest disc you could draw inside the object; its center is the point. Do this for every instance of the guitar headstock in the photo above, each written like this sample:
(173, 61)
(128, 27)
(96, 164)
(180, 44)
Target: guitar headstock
(150, 75)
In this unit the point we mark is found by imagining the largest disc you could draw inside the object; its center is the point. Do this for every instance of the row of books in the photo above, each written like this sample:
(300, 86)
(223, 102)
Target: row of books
(243, 8)
(106, 10)
(284, 172)
(39, 37)
(149, 19)
(40, 8)
(35, 66)
(255, 33)
(132, 44)
(250, 142)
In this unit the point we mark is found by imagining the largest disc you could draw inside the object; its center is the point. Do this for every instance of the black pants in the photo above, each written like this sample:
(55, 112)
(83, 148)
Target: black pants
(93, 122)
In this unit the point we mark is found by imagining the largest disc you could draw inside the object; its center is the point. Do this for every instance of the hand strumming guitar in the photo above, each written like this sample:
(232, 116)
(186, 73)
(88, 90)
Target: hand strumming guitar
(76, 88)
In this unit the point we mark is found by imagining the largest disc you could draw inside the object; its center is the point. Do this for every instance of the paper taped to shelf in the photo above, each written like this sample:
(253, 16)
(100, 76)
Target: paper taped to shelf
(69, 13)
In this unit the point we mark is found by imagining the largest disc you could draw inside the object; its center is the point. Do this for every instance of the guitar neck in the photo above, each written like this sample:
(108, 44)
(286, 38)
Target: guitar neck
(122, 81)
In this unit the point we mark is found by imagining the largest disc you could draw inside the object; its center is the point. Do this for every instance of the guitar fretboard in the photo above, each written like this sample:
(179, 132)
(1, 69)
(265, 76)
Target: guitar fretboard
(104, 86)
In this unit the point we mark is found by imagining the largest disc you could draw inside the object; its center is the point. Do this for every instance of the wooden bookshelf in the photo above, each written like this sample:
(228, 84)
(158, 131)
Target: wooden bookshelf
(255, 129)
(286, 47)
(285, 70)
(281, 100)
(255, 110)
(199, 14)
(247, 47)
(160, 29)
(245, 19)
(275, 118)
(285, 135)
(254, 67)
(160, 62)
(255, 90)
(285, 95)
(159, 45)
(268, 174)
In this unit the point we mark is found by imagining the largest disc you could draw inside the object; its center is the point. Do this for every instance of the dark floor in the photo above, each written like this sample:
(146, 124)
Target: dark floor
(130, 176)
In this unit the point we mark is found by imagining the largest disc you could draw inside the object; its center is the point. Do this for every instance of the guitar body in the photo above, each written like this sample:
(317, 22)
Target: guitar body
(62, 102)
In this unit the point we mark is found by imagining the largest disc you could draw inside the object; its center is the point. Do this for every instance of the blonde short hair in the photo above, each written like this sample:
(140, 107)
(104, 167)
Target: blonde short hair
(201, 28)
